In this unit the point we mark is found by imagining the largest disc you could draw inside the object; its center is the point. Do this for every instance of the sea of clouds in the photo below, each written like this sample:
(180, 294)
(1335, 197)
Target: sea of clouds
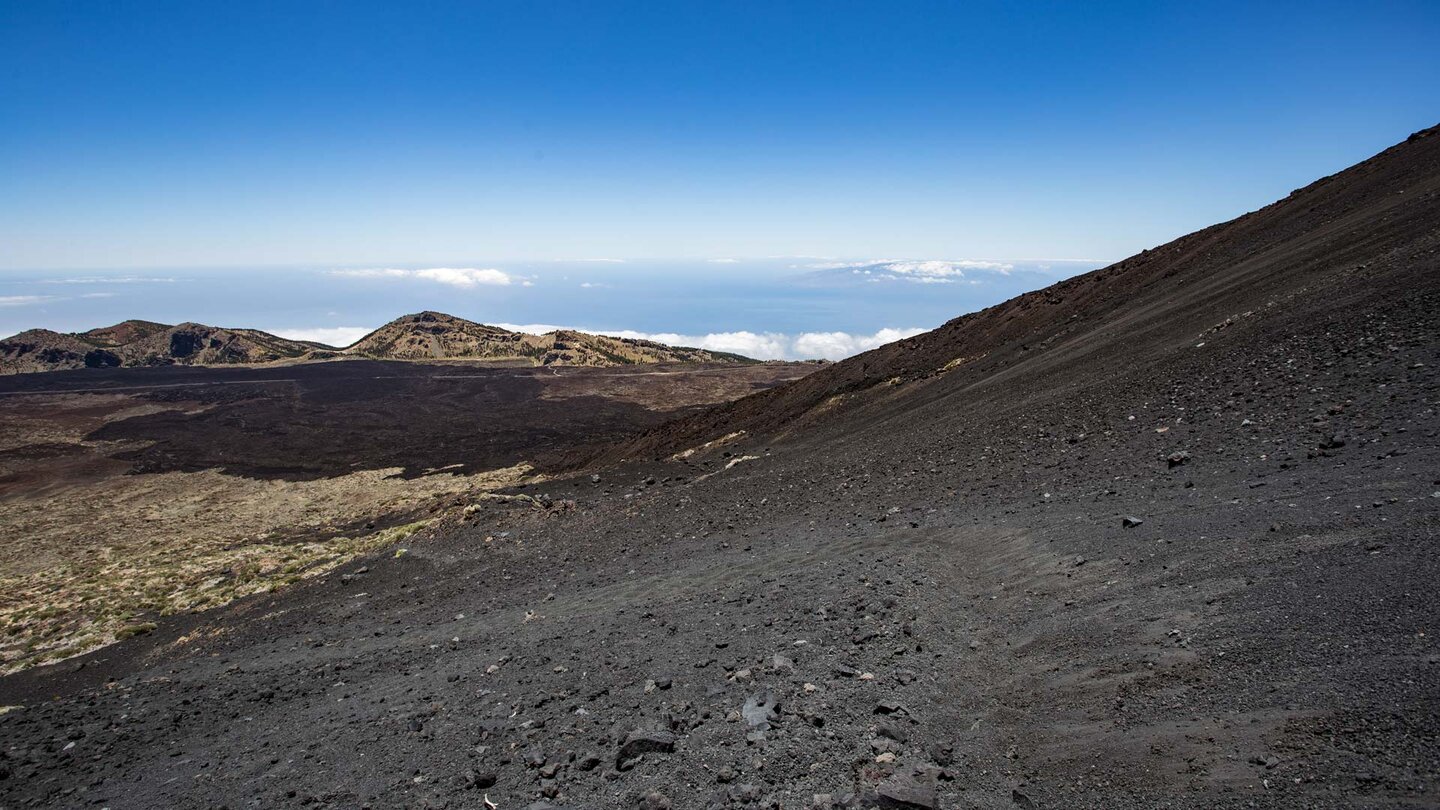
(759, 345)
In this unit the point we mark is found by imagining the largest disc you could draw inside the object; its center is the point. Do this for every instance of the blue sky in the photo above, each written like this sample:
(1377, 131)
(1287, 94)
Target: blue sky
(790, 307)
(320, 136)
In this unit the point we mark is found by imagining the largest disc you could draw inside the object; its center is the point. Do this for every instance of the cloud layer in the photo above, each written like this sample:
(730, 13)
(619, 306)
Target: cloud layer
(23, 300)
(760, 345)
(454, 276)
(340, 336)
(109, 280)
(929, 271)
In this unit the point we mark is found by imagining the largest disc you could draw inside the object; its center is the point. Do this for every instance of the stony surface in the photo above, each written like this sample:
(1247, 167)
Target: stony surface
(132, 494)
(930, 582)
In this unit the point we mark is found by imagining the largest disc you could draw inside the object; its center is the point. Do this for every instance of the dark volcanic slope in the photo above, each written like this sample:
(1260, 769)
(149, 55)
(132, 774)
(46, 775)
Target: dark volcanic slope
(1325, 248)
(145, 344)
(919, 595)
(320, 420)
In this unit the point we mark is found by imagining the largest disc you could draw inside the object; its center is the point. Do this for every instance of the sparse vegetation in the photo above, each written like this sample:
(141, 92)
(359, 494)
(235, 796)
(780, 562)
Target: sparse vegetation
(108, 554)
(174, 542)
(87, 606)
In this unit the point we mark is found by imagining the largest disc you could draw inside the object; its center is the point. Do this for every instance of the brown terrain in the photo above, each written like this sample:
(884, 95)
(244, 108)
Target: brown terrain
(141, 493)
(436, 336)
(1161, 535)
(141, 343)
(422, 336)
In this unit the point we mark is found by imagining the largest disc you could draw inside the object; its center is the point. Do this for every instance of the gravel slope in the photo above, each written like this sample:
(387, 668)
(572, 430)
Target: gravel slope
(1169, 558)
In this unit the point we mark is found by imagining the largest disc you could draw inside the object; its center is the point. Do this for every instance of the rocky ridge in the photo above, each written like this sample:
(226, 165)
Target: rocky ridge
(437, 336)
(141, 343)
(422, 336)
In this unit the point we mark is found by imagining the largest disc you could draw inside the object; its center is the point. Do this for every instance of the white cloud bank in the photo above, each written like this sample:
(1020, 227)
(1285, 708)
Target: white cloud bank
(23, 300)
(109, 280)
(339, 336)
(835, 345)
(929, 271)
(760, 345)
(454, 276)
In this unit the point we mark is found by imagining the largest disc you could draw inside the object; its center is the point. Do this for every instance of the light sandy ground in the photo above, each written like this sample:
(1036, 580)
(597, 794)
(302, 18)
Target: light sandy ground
(90, 553)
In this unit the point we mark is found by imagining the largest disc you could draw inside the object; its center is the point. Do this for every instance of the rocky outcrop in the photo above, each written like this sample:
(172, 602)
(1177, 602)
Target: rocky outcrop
(144, 343)
(437, 336)
(422, 336)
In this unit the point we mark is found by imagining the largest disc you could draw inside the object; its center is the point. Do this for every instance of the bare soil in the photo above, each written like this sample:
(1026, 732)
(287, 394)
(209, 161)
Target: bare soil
(135, 494)
(1164, 535)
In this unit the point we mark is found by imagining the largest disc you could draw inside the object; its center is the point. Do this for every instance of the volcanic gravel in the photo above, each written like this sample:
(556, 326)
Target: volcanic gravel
(1183, 555)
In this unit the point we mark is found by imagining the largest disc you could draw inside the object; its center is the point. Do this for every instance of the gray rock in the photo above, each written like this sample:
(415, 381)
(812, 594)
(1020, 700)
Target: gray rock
(889, 728)
(480, 779)
(904, 791)
(744, 794)
(881, 745)
(1130, 521)
(645, 742)
(759, 709)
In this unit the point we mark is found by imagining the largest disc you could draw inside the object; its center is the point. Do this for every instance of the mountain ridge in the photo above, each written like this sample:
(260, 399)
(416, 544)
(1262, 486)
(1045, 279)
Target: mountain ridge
(426, 335)
(1326, 220)
(431, 335)
(144, 343)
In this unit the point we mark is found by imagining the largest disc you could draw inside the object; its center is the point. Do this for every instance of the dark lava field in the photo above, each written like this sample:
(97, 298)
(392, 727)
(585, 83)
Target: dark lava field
(313, 420)
(1162, 535)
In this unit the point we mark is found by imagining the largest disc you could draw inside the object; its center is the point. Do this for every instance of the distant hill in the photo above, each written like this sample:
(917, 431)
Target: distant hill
(143, 343)
(123, 332)
(44, 350)
(437, 336)
(422, 336)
